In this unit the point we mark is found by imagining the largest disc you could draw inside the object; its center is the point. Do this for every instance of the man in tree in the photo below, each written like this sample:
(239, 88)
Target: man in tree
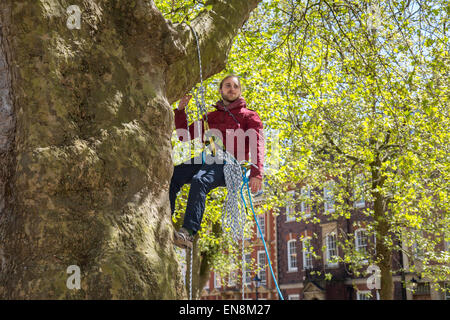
(231, 118)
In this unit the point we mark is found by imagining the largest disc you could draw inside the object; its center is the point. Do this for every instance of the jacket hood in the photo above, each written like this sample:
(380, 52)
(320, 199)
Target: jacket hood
(236, 104)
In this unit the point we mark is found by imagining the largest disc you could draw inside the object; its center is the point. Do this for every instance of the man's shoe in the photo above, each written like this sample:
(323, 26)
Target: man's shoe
(183, 239)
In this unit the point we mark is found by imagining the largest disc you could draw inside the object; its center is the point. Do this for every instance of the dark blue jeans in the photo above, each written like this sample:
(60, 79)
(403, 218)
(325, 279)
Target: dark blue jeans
(203, 178)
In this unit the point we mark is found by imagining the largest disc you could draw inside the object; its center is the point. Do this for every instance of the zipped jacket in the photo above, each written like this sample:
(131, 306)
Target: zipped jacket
(235, 122)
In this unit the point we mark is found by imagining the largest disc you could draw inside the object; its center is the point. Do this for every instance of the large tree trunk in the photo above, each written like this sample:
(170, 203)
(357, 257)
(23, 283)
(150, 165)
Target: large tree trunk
(85, 149)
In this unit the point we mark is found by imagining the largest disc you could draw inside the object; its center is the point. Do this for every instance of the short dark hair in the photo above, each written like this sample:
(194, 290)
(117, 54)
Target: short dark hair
(228, 77)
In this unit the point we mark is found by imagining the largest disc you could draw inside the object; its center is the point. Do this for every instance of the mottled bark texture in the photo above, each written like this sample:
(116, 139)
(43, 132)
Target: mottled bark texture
(85, 149)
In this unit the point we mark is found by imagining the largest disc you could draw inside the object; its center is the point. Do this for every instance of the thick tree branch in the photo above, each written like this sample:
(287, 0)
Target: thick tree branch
(338, 150)
(216, 30)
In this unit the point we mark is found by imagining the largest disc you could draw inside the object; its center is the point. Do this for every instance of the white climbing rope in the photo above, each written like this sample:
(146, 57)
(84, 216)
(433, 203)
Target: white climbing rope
(200, 110)
(234, 216)
(190, 274)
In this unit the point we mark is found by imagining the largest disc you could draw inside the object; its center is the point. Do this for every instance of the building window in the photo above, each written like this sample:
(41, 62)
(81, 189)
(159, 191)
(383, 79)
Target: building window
(305, 204)
(359, 192)
(423, 288)
(262, 223)
(290, 212)
(292, 255)
(262, 266)
(328, 197)
(217, 283)
(417, 247)
(363, 295)
(307, 254)
(294, 297)
(232, 279)
(331, 252)
(361, 240)
(248, 273)
(374, 244)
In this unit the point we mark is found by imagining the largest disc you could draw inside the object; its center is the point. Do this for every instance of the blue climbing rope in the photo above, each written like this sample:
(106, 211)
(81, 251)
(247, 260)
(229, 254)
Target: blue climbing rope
(245, 183)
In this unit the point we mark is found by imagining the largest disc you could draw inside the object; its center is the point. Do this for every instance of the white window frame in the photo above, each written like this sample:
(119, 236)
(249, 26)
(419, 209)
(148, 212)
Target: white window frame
(217, 282)
(358, 246)
(417, 250)
(328, 255)
(232, 279)
(361, 202)
(363, 293)
(262, 223)
(307, 254)
(262, 267)
(292, 256)
(294, 297)
(290, 208)
(375, 244)
(305, 205)
(247, 271)
(328, 197)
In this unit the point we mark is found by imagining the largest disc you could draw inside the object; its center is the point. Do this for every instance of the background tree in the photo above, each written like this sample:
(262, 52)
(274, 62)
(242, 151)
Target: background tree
(364, 87)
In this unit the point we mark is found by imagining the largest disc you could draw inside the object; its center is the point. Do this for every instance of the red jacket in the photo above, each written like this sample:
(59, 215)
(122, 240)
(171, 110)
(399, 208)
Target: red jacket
(238, 117)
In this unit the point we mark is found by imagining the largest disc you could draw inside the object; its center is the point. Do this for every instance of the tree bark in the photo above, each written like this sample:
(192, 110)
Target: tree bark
(85, 148)
(216, 29)
(383, 251)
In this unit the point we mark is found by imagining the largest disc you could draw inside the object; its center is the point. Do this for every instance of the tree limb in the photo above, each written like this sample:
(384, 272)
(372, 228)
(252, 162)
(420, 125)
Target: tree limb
(216, 29)
(338, 150)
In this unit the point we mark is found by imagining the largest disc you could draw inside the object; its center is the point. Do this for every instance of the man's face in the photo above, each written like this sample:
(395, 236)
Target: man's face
(230, 90)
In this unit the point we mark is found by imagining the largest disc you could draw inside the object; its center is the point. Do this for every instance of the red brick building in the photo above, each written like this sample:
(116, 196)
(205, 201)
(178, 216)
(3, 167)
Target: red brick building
(300, 273)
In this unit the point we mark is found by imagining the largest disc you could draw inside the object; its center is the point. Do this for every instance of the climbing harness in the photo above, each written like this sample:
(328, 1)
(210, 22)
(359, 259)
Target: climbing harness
(234, 216)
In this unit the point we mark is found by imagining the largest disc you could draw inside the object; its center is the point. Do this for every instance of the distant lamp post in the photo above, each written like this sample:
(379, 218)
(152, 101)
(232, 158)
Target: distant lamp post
(257, 284)
(414, 283)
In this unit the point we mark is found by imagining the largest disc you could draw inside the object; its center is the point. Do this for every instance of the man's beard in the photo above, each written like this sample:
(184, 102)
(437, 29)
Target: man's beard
(229, 101)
